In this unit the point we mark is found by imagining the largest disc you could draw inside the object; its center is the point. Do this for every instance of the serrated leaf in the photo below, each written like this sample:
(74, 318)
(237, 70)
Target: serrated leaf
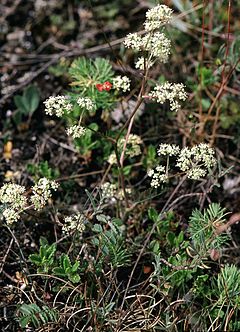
(75, 266)
(66, 262)
(24, 322)
(74, 278)
(34, 258)
(97, 228)
(59, 271)
(43, 241)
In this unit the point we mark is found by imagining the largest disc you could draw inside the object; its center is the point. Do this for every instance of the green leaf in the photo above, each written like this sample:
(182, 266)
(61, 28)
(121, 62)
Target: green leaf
(74, 278)
(29, 101)
(171, 238)
(19, 102)
(66, 263)
(75, 266)
(59, 271)
(97, 228)
(43, 241)
(17, 117)
(152, 214)
(32, 98)
(127, 170)
(24, 321)
(34, 258)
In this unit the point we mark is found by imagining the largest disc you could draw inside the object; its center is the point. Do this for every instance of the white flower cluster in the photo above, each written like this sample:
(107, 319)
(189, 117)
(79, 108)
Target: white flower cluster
(86, 103)
(13, 195)
(157, 16)
(168, 149)
(121, 83)
(110, 191)
(75, 222)
(132, 149)
(76, 131)
(169, 91)
(42, 192)
(158, 176)
(57, 105)
(120, 193)
(154, 42)
(133, 41)
(134, 142)
(112, 159)
(11, 215)
(143, 63)
(196, 162)
(158, 46)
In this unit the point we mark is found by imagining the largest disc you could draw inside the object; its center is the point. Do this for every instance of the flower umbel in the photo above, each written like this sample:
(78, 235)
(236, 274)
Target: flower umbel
(171, 92)
(157, 16)
(57, 105)
(76, 131)
(121, 83)
(133, 41)
(158, 46)
(168, 150)
(75, 222)
(86, 103)
(196, 161)
(13, 194)
(132, 149)
(11, 216)
(42, 192)
(158, 176)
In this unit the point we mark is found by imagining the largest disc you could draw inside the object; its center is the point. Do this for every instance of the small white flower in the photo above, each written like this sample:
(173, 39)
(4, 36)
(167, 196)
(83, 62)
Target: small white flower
(74, 222)
(42, 192)
(203, 152)
(168, 150)
(171, 92)
(196, 173)
(140, 63)
(108, 190)
(196, 161)
(133, 148)
(120, 194)
(158, 176)
(112, 159)
(132, 40)
(184, 159)
(133, 145)
(11, 216)
(13, 194)
(121, 83)
(76, 131)
(157, 16)
(57, 105)
(158, 46)
(86, 103)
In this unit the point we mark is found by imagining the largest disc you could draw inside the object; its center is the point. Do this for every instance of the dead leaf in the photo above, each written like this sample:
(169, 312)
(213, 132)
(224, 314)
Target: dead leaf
(7, 152)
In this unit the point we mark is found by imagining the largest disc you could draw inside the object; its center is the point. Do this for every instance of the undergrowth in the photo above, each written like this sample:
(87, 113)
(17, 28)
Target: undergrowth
(135, 239)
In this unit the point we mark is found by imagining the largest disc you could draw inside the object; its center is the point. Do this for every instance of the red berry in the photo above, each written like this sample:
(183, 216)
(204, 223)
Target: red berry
(99, 87)
(107, 86)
